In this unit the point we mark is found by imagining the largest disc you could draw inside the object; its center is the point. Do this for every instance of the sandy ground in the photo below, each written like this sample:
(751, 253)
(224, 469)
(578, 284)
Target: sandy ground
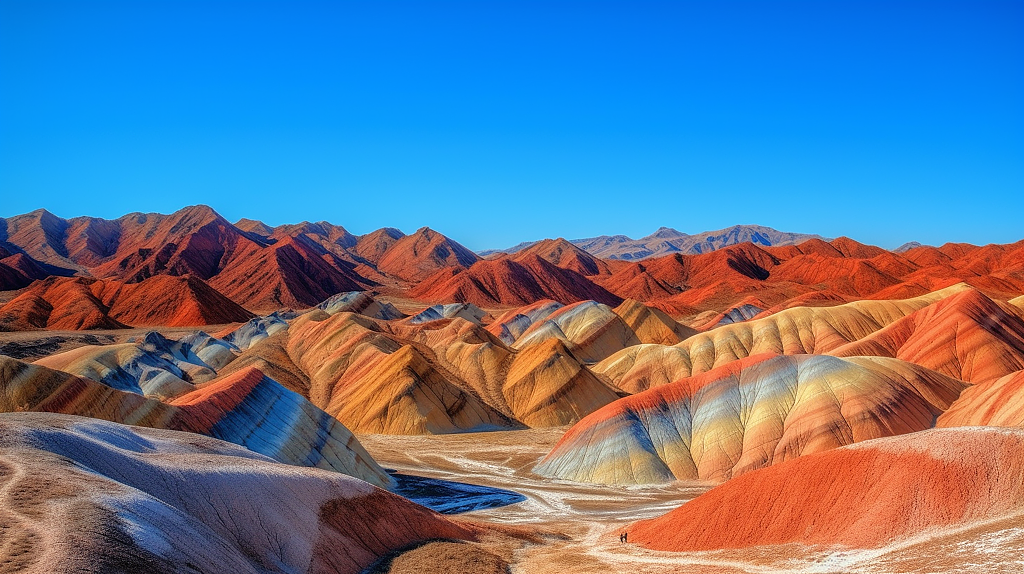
(581, 523)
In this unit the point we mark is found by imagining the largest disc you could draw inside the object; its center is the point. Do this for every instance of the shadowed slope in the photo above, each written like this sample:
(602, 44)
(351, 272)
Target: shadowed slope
(294, 272)
(511, 325)
(749, 414)
(246, 408)
(145, 500)
(171, 302)
(860, 496)
(18, 270)
(374, 382)
(66, 303)
(652, 325)
(548, 386)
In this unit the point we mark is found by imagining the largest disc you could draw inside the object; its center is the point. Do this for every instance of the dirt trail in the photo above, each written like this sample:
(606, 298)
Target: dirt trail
(589, 517)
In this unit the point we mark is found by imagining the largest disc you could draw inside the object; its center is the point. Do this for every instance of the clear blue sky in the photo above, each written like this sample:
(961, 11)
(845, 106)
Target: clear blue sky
(500, 122)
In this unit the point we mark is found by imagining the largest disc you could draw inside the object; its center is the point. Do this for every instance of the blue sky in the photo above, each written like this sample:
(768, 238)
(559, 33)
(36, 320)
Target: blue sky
(498, 122)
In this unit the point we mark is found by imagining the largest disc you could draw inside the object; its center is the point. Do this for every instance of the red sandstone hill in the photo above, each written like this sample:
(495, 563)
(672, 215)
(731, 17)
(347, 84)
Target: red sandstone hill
(860, 496)
(65, 303)
(840, 270)
(507, 282)
(18, 270)
(171, 302)
(564, 254)
(294, 272)
(416, 256)
(372, 246)
(296, 266)
(70, 303)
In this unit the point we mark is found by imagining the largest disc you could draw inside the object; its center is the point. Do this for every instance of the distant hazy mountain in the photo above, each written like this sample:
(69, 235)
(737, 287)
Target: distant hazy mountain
(667, 240)
(907, 247)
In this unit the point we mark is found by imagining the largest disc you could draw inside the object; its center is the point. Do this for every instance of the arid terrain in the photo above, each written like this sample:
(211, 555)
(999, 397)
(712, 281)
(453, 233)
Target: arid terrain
(301, 399)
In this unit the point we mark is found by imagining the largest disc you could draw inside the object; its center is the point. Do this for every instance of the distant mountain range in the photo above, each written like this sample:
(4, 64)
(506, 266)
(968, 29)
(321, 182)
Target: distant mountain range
(193, 267)
(666, 240)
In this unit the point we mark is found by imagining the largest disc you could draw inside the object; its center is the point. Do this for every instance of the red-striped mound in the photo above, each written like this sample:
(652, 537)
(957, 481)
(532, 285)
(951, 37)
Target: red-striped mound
(860, 496)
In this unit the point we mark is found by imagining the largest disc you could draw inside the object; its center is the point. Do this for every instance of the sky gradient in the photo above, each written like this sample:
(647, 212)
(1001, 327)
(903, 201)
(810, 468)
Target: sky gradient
(883, 121)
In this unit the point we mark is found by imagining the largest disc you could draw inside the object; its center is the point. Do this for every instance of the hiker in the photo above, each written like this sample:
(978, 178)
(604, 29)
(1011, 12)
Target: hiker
(625, 537)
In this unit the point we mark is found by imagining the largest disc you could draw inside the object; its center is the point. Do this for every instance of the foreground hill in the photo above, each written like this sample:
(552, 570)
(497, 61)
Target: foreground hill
(99, 496)
(860, 496)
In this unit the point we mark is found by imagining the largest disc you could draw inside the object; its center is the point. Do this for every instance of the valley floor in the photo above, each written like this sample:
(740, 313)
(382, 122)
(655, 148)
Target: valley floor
(577, 525)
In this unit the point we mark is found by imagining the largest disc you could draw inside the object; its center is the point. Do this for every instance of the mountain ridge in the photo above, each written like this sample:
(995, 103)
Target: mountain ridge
(666, 240)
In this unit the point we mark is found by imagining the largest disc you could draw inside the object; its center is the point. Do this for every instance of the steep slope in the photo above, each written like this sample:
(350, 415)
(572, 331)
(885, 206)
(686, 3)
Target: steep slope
(377, 383)
(512, 324)
(564, 254)
(192, 241)
(747, 415)
(18, 270)
(39, 234)
(294, 272)
(372, 246)
(860, 496)
(67, 303)
(145, 500)
(234, 409)
(171, 302)
(548, 386)
(416, 256)
(507, 282)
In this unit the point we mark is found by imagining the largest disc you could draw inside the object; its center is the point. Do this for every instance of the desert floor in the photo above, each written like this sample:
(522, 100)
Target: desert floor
(577, 525)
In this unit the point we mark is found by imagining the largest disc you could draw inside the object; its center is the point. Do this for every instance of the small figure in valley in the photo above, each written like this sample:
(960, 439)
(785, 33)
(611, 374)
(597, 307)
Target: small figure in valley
(625, 537)
(622, 537)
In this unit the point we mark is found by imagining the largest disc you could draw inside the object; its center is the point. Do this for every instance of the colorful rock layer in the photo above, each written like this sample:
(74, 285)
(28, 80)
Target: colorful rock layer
(747, 415)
